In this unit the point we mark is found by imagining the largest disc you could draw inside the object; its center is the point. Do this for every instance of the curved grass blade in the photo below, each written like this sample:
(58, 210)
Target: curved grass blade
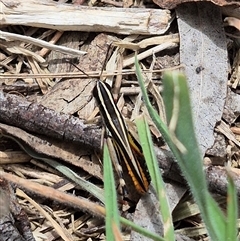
(112, 214)
(181, 139)
(88, 186)
(179, 118)
(232, 210)
(141, 230)
(151, 160)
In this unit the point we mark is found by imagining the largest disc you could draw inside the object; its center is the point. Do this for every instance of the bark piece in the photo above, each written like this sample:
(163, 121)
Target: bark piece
(219, 148)
(16, 111)
(14, 223)
(232, 107)
(217, 179)
(72, 95)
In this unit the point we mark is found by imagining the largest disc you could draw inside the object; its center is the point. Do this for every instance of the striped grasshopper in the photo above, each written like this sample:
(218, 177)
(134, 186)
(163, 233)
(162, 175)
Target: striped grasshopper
(128, 150)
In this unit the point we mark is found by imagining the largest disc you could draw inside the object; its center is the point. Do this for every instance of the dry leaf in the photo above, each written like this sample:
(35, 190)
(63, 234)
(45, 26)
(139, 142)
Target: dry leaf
(147, 213)
(203, 51)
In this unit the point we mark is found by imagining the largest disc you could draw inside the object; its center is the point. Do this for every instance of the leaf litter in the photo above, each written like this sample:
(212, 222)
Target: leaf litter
(61, 87)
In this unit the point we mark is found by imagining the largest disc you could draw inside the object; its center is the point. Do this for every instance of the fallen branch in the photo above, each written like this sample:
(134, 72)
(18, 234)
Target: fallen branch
(34, 117)
(66, 17)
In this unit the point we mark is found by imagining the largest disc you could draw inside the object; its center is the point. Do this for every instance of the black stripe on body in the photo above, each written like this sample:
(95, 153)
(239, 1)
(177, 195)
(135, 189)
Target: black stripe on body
(117, 127)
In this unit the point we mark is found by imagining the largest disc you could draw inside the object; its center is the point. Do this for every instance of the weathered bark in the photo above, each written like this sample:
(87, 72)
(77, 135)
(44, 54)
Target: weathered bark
(14, 223)
(16, 111)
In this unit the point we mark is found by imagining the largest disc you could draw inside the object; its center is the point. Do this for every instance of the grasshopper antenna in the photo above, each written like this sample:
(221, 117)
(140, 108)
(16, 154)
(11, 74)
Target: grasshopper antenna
(73, 64)
(106, 58)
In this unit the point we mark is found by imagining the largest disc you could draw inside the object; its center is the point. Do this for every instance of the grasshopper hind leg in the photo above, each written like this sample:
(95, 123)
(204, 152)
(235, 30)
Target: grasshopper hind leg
(122, 187)
(122, 184)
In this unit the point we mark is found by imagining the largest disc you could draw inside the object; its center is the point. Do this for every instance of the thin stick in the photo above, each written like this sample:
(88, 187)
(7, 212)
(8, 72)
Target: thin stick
(17, 37)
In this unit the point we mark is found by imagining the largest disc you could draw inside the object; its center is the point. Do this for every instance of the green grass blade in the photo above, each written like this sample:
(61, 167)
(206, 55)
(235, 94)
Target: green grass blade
(190, 162)
(111, 200)
(232, 210)
(88, 186)
(162, 127)
(181, 139)
(151, 160)
(141, 230)
(112, 214)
